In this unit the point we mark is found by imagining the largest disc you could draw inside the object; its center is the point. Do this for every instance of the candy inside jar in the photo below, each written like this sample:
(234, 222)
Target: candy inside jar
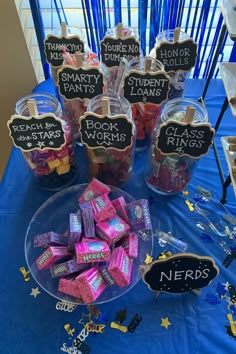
(170, 173)
(53, 169)
(111, 164)
(145, 115)
(178, 78)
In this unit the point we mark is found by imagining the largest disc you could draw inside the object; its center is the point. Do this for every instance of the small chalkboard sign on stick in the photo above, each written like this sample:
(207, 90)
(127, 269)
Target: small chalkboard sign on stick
(176, 55)
(106, 131)
(53, 46)
(113, 49)
(80, 82)
(179, 273)
(37, 132)
(185, 138)
(146, 87)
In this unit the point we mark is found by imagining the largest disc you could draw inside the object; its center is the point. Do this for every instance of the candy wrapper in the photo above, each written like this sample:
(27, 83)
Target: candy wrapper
(87, 252)
(102, 208)
(67, 268)
(94, 189)
(120, 267)
(87, 217)
(139, 217)
(91, 284)
(112, 230)
(51, 255)
(75, 230)
(50, 239)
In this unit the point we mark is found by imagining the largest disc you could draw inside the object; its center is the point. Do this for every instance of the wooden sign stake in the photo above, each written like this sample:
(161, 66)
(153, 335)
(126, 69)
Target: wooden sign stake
(120, 30)
(105, 106)
(32, 107)
(148, 64)
(176, 34)
(63, 30)
(79, 59)
(189, 114)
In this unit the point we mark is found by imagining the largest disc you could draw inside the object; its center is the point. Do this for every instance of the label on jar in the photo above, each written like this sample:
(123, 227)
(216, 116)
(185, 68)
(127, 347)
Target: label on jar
(113, 49)
(193, 140)
(108, 132)
(53, 48)
(140, 87)
(82, 83)
(37, 133)
(177, 56)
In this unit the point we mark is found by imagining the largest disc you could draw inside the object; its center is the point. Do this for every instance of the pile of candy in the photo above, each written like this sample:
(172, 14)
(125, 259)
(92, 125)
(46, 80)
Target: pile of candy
(54, 168)
(145, 117)
(111, 166)
(100, 247)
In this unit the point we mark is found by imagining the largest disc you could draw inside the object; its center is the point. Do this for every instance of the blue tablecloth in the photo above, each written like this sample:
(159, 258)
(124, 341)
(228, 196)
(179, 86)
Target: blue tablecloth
(33, 325)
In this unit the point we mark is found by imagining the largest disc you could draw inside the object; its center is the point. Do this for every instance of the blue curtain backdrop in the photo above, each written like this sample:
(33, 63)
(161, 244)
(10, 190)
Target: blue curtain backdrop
(201, 19)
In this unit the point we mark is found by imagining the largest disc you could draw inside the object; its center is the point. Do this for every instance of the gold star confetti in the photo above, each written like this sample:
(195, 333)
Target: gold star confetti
(35, 292)
(148, 259)
(185, 193)
(165, 322)
(84, 317)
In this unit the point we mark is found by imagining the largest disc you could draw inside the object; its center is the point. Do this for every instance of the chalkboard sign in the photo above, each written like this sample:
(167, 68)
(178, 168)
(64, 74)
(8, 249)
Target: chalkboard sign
(140, 87)
(180, 273)
(80, 82)
(113, 49)
(185, 139)
(177, 56)
(37, 133)
(53, 44)
(109, 132)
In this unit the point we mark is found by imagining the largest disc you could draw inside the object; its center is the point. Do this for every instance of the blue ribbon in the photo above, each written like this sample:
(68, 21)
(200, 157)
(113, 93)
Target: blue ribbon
(117, 12)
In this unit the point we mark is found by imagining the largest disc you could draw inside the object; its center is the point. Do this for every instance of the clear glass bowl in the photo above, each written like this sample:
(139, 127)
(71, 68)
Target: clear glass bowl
(53, 215)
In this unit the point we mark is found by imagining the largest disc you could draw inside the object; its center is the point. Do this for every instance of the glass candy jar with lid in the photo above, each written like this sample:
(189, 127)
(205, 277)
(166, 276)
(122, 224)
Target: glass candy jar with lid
(178, 55)
(53, 168)
(170, 173)
(108, 134)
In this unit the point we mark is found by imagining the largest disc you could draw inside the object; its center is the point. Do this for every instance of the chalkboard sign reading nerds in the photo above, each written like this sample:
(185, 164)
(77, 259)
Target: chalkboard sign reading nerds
(37, 133)
(177, 55)
(113, 49)
(80, 82)
(108, 132)
(179, 273)
(147, 86)
(53, 46)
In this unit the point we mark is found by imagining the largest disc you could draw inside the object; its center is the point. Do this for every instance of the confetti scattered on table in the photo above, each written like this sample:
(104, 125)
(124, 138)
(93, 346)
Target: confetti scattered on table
(185, 193)
(226, 285)
(121, 316)
(212, 299)
(220, 290)
(65, 306)
(134, 323)
(189, 205)
(119, 327)
(94, 327)
(83, 319)
(69, 330)
(25, 273)
(165, 322)
(148, 259)
(35, 292)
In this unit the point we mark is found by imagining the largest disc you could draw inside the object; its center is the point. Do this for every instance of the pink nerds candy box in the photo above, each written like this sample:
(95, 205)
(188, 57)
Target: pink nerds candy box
(102, 208)
(112, 230)
(93, 190)
(51, 255)
(119, 204)
(130, 245)
(120, 267)
(91, 284)
(95, 251)
(69, 286)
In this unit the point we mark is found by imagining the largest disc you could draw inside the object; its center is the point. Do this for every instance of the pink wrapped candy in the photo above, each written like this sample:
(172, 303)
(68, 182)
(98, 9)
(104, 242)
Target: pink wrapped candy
(120, 267)
(88, 252)
(91, 284)
(112, 230)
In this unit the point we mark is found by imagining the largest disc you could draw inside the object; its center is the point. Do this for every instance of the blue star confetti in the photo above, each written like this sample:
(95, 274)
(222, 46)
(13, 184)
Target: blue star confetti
(212, 299)
(220, 290)
(206, 238)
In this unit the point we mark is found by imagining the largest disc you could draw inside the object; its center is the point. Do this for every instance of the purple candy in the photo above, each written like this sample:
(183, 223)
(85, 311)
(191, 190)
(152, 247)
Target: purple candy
(87, 217)
(106, 275)
(50, 239)
(67, 268)
(37, 156)
(75, 230)
(139, 215)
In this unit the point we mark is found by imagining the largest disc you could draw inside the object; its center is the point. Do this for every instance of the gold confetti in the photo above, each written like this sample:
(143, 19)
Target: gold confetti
(148, 259)
(69, 330)
(165, 322)
(189, 205)
(25, 273)
(84, 317)
(185, 193)
(35, 292)
(119, 327)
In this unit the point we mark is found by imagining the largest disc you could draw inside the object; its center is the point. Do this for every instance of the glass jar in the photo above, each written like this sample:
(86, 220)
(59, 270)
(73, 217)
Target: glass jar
(145, 115)
(76, 107)
(170, 174)
(111, 166)
(177, 79)
(113, 32)
(53, 169)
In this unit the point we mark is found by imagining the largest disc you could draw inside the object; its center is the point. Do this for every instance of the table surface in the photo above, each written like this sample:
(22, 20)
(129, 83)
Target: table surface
(33, 325)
